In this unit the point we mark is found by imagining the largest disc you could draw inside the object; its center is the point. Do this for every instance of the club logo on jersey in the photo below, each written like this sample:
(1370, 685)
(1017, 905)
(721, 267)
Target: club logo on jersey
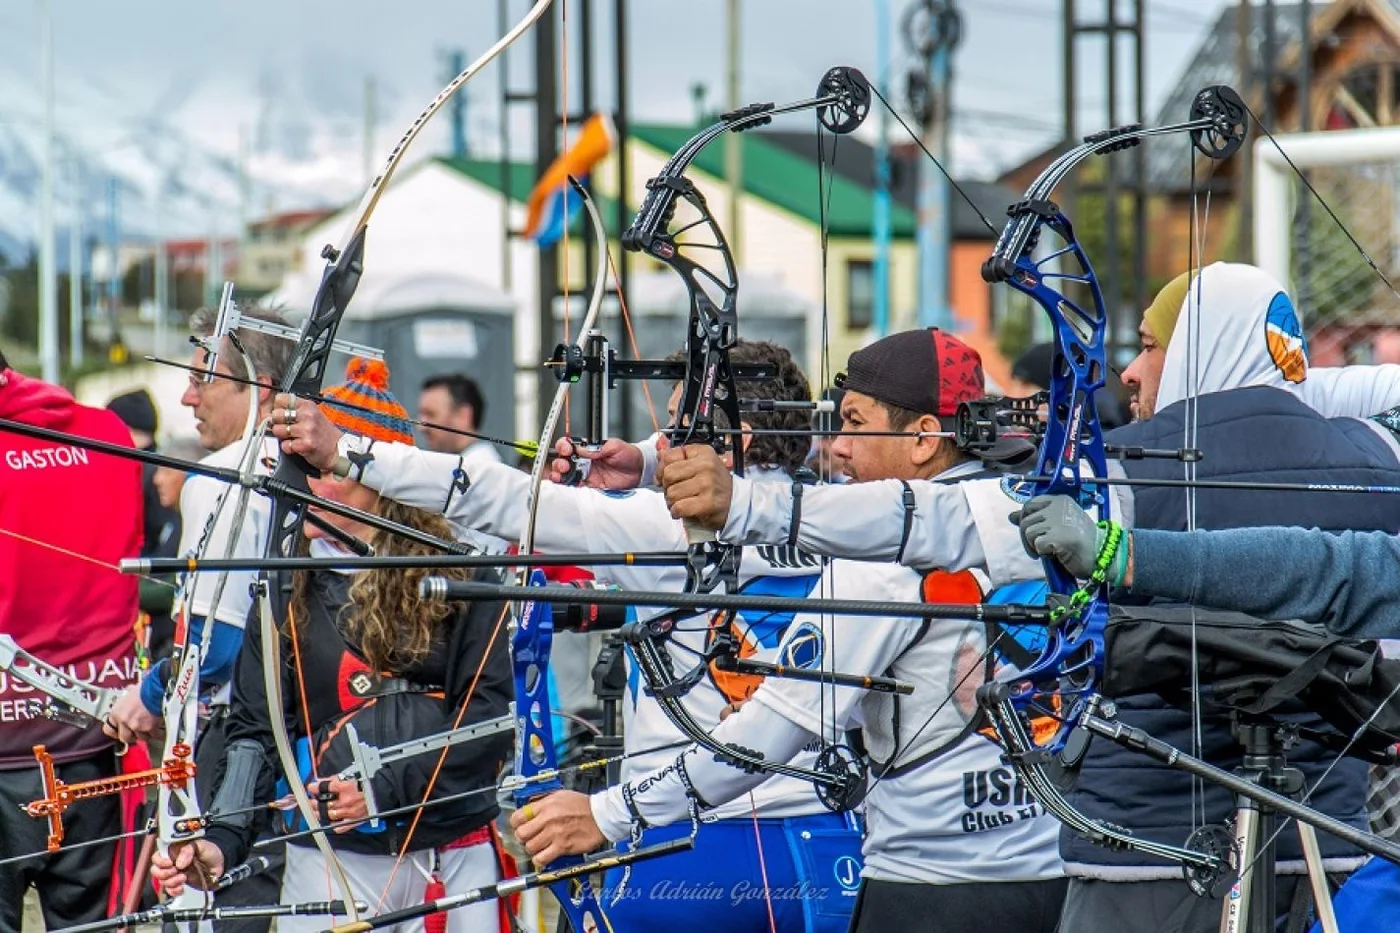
(804, 648)
(619, 493)
(1288, 348)
(356, 681)
(1017, 490)
(461, 482)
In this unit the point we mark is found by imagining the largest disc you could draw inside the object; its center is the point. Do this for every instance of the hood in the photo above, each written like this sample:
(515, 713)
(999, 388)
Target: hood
(1237, 327)
(35, 402)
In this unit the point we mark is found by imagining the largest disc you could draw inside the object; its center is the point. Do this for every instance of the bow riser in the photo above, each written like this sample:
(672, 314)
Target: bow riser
(536, 753)
(1072, 661)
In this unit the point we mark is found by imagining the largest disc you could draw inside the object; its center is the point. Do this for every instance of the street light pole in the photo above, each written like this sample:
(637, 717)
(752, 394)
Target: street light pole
(932, 29)
(48, 278)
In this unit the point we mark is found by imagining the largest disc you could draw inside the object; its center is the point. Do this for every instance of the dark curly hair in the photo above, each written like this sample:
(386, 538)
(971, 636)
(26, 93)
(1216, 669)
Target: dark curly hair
(780, 452)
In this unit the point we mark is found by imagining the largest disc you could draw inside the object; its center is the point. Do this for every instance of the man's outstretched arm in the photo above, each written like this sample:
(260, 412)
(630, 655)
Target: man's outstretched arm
(918, 524)
(1343, 581)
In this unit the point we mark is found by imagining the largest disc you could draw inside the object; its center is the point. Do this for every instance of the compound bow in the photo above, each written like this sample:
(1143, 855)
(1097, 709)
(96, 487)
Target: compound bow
(1071, 665)
(841, 103)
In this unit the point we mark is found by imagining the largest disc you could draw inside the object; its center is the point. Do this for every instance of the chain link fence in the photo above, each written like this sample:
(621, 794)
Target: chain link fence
(1348, 313)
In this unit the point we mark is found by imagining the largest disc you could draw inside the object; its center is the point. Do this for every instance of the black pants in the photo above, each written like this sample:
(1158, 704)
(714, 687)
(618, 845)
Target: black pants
(73, 884)
(263, 888)
(1023, 906)
(1159, 907)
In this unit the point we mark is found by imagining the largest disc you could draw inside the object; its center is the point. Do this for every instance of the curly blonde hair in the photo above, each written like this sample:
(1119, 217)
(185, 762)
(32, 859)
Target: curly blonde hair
(386, 619)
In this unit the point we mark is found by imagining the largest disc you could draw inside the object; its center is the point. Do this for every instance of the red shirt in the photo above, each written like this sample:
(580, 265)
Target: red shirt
(69, 611)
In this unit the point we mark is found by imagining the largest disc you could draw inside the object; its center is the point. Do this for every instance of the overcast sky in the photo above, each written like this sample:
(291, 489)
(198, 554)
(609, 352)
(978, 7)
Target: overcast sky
(215, 66)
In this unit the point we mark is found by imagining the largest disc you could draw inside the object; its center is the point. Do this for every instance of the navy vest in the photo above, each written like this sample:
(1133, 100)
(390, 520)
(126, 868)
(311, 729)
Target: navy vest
(1258, 434)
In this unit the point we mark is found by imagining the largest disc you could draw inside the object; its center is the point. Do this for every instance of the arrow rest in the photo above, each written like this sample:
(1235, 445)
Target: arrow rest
(1221, 105)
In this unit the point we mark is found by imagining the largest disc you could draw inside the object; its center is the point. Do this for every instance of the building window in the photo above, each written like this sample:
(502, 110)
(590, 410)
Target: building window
(860, 294)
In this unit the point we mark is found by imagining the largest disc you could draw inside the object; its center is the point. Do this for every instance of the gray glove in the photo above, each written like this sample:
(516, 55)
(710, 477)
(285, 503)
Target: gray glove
(1057, 528)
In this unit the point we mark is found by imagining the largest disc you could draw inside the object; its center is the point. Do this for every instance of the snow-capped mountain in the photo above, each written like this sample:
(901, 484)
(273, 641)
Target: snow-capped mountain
(169, 182)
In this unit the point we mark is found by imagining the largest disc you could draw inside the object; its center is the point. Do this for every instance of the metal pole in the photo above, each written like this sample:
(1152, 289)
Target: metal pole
(118, 352)
(546, 149)
(368, 155)
(586, 101)
(213, 264)
(48, 261)
(733, 145)
(456, 61)
(1113, 227)
(162, 277)
(1245, 192)
(1269, 55)
(75, 271)
(503, 140)
(881, 223)
(624, 182)
(1140, 298)
(934, 224)
(1302, 230)
(1068, 92)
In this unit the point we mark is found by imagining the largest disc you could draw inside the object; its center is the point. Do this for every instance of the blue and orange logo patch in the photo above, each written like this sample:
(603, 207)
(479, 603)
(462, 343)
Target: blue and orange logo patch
(1288, 348)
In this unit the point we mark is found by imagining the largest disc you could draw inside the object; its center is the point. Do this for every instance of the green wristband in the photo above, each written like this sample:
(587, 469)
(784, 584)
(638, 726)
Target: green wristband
(1120, 562)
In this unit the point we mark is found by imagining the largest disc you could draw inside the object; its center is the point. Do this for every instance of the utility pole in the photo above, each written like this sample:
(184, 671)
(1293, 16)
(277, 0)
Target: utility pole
(48, 274)
(162, 283)
(213, 263)
(369, 150)
(503, 143)
(733, 145)
(622, 122)
(245, 196)
(1245, 191)
(456, 61)
(117, 352)
(1119, 178)
(546, 150)
(881, 221)
(933, 29)
(1303, 227)
(75, 270)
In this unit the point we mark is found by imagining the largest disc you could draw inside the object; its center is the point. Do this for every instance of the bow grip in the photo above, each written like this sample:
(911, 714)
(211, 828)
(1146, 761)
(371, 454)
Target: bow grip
(696, 533)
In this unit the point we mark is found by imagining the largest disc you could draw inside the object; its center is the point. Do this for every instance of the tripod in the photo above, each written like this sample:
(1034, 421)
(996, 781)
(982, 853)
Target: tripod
(1250, 905)
(1098, 720)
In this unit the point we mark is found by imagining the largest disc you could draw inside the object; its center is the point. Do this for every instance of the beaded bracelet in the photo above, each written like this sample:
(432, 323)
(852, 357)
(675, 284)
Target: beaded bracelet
(1103, 561)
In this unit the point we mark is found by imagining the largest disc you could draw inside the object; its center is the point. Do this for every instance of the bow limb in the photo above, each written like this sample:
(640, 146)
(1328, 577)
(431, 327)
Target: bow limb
(535, 751)
(536, 755)
(590, 318)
